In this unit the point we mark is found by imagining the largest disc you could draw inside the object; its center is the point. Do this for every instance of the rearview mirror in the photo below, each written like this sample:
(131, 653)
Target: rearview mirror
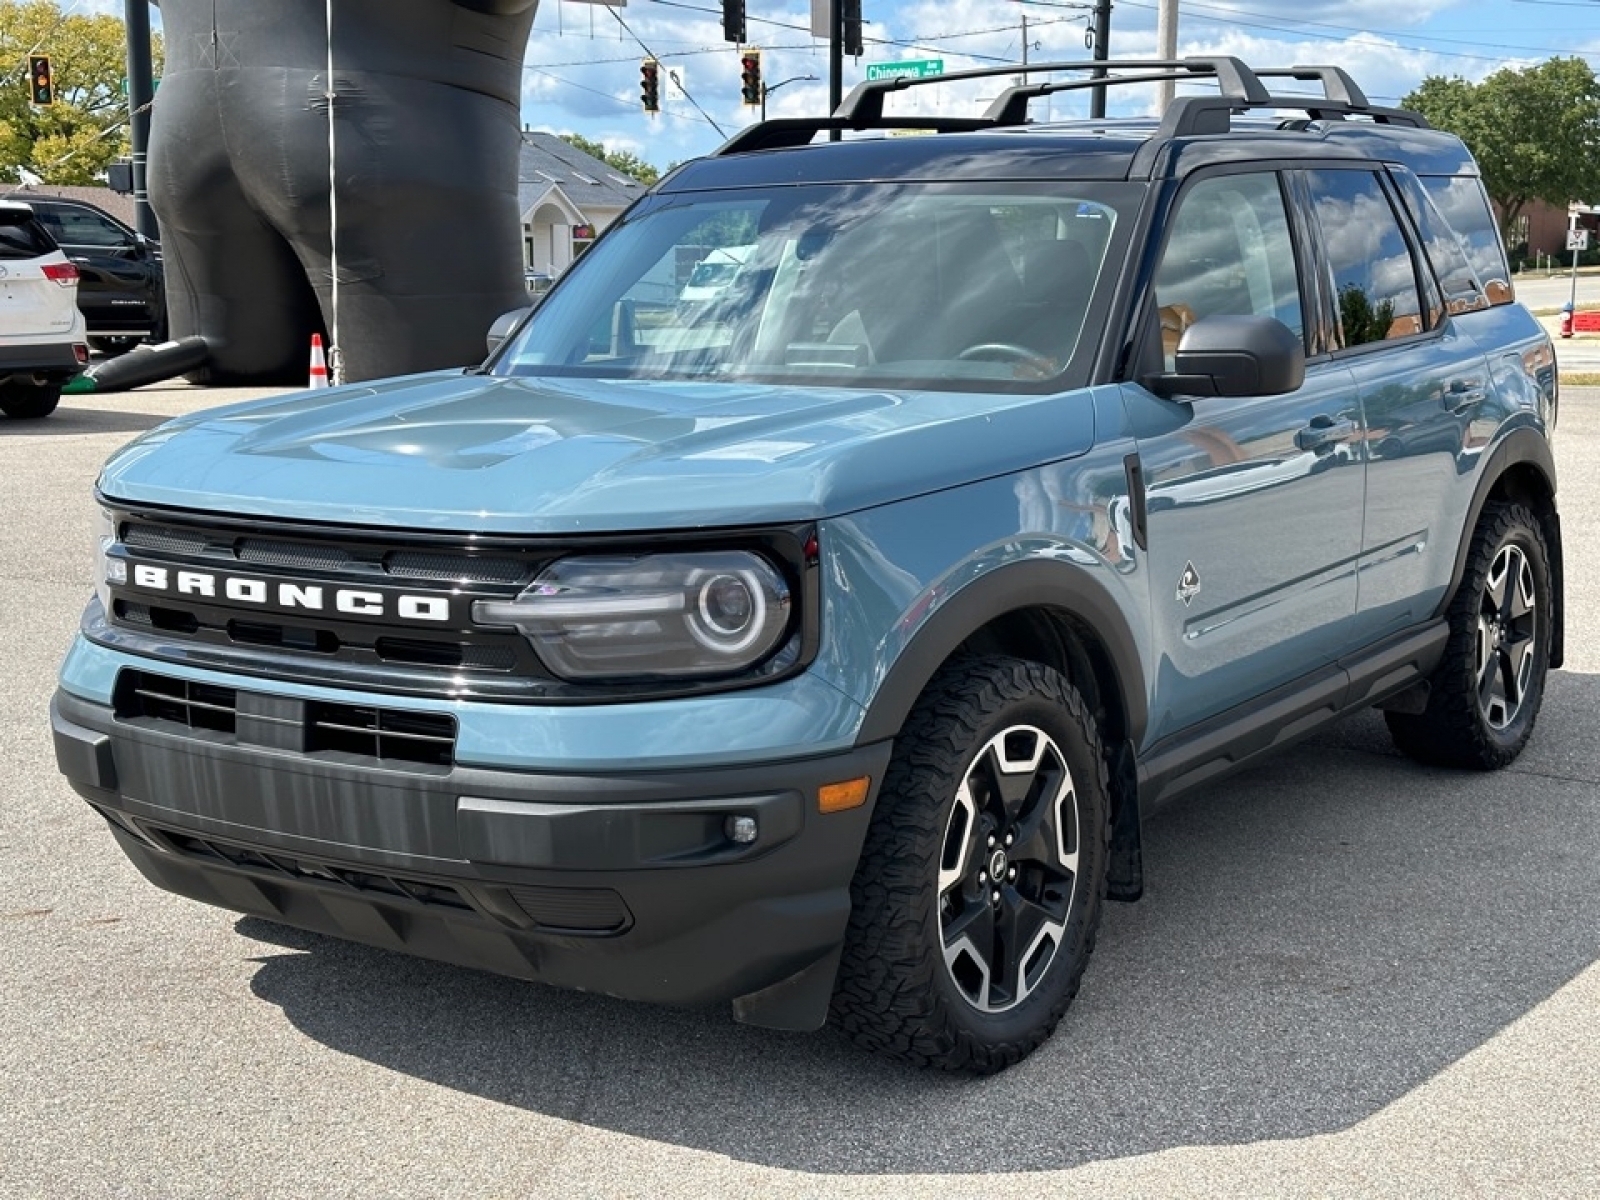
(1234, 356)
(503, 326)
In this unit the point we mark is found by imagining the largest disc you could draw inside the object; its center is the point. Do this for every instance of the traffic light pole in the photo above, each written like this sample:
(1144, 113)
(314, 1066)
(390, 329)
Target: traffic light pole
(835, 60)
(141, 90)
(1102, 51)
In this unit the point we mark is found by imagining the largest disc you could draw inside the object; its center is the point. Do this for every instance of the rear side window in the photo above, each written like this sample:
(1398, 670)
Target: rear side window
(79, 227)
(1461, 202)
(1374, 277)
(1462, 292)
(22, 237)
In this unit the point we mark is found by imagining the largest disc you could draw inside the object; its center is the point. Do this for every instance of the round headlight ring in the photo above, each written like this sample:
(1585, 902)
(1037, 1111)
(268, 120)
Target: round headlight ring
(710, 629)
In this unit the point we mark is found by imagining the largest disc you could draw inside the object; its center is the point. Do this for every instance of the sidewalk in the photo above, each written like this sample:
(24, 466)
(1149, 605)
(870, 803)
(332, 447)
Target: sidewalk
(1576, 355)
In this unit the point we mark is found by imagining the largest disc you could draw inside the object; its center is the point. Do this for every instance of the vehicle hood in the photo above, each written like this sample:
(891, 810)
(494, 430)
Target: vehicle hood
(461, 451)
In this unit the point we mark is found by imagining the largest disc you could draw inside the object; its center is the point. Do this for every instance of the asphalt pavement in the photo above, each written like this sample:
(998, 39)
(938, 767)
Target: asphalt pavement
(1350, 976)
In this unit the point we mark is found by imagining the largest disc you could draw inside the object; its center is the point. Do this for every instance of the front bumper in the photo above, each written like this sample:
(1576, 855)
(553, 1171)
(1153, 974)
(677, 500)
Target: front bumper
(621, 883)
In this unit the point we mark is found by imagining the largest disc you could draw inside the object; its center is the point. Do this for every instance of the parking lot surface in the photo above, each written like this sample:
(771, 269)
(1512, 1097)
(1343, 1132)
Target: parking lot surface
(1350, 976)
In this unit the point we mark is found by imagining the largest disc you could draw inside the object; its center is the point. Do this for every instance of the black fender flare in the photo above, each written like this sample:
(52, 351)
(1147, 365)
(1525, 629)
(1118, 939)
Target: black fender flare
(1033, 583)
(1524, 445)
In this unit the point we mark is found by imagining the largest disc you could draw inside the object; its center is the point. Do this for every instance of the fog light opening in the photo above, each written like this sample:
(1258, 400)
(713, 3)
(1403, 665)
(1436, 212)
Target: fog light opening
(740, 830)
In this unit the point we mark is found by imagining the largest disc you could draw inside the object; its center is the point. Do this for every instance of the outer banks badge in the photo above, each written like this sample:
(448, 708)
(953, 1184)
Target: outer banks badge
(1188, 584)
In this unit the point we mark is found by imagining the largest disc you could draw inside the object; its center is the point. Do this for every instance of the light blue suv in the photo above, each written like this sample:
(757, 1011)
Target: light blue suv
(814, 649)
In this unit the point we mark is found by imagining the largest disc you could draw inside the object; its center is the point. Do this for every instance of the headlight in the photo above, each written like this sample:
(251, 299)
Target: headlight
(675, 615)
(107, 570)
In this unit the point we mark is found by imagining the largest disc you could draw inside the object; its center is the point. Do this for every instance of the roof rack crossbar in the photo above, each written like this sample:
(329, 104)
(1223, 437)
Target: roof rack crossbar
(1336, 82)
(1010, 107)
(864, 105)
(782, 133)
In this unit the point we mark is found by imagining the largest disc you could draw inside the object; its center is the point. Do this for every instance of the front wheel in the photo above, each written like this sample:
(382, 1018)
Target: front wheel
(1485, 694)
(979, 892)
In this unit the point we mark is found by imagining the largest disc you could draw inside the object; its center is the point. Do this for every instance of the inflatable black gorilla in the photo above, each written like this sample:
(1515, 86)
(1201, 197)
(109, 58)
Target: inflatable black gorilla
(427, 102)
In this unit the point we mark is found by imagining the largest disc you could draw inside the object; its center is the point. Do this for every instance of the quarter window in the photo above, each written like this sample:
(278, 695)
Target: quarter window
(1374, 277)
(1229, 253)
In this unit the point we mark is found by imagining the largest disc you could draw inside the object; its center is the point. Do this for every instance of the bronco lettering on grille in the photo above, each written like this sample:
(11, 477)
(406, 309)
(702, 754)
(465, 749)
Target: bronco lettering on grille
(311, 597)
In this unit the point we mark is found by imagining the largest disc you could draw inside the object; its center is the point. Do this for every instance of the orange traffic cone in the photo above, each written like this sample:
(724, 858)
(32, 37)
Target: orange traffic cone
(319, 364)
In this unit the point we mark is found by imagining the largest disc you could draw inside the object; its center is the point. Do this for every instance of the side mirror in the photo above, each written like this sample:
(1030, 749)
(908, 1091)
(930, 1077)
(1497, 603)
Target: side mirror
(1234, 356)
(503, 326)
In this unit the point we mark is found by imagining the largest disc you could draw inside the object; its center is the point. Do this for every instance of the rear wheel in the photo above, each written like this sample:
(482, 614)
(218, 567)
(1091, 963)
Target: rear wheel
(975, 906)
(1485, 695)
(27, 401)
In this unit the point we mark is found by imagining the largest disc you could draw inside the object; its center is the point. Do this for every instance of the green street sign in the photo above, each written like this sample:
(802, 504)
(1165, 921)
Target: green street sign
(920, 68)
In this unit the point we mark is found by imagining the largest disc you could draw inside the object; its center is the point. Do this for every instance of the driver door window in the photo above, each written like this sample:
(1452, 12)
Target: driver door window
(1229, 252)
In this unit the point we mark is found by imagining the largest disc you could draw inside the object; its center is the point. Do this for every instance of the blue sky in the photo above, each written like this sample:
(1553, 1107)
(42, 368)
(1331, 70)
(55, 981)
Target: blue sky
(583, 64)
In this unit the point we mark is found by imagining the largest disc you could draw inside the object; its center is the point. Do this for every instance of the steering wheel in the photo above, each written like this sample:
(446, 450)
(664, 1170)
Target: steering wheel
(1001, 351)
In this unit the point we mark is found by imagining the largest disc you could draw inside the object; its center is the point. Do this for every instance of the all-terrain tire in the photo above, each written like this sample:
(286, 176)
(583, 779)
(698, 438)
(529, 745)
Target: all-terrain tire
(1485, 694)
(28, 401)
(898, 991)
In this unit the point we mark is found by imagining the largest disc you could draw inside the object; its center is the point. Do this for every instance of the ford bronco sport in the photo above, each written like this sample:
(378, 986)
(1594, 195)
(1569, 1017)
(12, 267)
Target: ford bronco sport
(815, 650)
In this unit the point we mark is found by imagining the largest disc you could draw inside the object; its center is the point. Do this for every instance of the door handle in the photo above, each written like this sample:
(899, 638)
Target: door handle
(1322, 432)
(1462, 394)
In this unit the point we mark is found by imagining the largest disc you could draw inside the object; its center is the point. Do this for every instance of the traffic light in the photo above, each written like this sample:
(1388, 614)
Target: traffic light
(750, 76)
(850, 19)
(41, 83)
(650, 85)
(733, 20)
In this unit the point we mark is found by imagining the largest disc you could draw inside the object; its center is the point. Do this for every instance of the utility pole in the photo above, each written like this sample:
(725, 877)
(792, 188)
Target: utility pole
(141, 90)
(1023, 78)
(1102, 51)
(1166, 47)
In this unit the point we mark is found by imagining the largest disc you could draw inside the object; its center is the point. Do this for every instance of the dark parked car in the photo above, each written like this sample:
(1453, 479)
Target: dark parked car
(121, 287)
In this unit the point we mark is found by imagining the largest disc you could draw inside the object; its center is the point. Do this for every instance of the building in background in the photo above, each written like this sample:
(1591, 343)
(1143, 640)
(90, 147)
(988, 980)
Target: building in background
(567, 197)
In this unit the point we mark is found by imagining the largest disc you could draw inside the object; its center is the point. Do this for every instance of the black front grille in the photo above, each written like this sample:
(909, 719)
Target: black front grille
(292, 556)
(360, 640)
(385, 735)
(183, 702)
(456, 568)
(381, 733)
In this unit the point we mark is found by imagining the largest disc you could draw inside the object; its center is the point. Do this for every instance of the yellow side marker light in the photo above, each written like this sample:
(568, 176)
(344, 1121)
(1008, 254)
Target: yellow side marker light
(838, 797)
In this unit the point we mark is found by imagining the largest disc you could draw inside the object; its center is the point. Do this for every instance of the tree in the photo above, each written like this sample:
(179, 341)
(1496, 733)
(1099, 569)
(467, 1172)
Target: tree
(86, 129)
(1535, 132)
(621, 160)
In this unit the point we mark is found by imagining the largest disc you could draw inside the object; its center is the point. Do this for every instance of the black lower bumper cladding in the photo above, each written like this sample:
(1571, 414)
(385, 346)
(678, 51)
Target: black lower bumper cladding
(626, 884)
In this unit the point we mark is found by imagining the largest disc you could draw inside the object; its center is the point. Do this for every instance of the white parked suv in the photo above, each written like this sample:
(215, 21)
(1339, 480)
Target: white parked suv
(43, 341)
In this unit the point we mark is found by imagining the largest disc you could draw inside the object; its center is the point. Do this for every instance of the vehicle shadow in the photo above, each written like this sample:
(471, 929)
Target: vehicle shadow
(1320, 936)
(72, 421)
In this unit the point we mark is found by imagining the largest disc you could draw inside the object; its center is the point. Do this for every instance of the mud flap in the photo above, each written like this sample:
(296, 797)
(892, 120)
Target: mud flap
(1125, 874)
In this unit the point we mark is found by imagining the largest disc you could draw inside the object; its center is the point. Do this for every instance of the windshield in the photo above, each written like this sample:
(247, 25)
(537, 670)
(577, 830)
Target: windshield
(922, 285)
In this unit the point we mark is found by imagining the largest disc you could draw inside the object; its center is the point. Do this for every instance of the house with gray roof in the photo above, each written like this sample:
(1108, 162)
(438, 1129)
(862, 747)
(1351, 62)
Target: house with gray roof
(566, 197)
(103, 198)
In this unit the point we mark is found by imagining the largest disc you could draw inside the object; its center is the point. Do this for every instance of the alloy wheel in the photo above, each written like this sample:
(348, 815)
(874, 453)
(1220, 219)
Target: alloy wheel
(1008, 869)
(1507, 625)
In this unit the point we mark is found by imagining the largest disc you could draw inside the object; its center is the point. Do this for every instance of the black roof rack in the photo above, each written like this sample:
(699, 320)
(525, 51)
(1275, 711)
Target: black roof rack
(1239, 88)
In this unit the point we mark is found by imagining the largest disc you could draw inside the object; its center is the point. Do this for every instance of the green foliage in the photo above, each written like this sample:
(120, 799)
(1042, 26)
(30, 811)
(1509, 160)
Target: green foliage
(619, 160)
(86, 129)
(1534, 132)
(1362, 321)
